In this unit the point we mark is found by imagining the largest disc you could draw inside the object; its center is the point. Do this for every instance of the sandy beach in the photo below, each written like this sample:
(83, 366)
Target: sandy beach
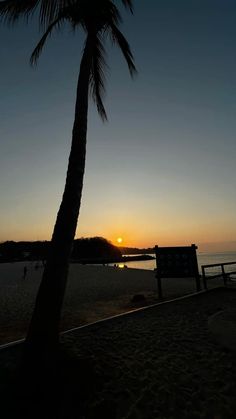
(93, 292)
(167, 361)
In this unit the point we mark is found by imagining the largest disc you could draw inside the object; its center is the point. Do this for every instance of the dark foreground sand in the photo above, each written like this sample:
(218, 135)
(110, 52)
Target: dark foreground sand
(163, 362)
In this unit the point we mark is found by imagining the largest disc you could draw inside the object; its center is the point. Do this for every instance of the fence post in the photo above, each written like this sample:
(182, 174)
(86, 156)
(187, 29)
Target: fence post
(224, 275)
(204, 278)
(159, 287)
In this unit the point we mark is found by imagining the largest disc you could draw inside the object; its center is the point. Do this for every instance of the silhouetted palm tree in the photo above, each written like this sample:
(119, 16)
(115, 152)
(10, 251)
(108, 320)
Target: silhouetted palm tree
(98, 19)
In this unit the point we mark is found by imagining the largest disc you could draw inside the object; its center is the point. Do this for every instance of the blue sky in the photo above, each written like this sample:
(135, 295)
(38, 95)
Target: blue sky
(162, 170)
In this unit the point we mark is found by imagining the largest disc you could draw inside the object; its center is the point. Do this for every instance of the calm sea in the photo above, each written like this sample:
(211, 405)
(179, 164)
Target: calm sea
(203, 259)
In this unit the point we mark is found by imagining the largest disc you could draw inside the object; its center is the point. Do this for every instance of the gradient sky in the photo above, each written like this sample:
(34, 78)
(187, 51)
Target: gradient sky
(162, 170)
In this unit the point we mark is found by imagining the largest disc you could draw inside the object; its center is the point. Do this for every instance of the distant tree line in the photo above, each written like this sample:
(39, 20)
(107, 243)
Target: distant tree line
(84, 250)
(136, 251)
(95, 248)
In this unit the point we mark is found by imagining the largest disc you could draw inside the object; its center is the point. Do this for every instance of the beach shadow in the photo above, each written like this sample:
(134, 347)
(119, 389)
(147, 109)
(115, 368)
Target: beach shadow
(57, 390)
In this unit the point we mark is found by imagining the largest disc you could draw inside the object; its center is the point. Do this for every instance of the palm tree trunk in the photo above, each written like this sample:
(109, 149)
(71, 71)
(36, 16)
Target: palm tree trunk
(44, 327)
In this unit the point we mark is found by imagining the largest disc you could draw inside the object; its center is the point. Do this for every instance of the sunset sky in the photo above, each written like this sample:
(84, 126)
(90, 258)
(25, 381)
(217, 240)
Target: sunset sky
(162, 170)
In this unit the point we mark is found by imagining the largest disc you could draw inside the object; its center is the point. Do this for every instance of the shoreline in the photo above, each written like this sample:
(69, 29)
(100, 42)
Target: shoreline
(90, 261)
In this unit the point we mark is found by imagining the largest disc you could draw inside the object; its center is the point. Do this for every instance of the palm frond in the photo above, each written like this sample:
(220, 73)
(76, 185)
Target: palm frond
(12, 10)
(112, 13)
(97, 78)
(97, 17)
(120, 40)
(128, 4)
(39, 47)
(50, 9)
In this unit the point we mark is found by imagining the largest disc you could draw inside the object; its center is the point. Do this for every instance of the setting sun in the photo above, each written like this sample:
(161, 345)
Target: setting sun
(119, 240)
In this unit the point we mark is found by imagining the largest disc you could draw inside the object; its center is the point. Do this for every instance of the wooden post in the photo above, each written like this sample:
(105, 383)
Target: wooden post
(198, 283)
(224, 275)
(204, 278)
(159, 284)
(159, 287)
(197, 277)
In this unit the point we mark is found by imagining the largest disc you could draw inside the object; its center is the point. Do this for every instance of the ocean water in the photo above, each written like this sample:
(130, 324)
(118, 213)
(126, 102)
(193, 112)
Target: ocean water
(202, 257)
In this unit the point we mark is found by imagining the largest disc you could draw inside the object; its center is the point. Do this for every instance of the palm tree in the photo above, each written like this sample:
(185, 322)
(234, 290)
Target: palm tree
(99, 19)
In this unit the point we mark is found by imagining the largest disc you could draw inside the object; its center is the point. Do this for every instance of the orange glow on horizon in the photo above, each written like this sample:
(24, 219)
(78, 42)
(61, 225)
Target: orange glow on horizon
(135, 233)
